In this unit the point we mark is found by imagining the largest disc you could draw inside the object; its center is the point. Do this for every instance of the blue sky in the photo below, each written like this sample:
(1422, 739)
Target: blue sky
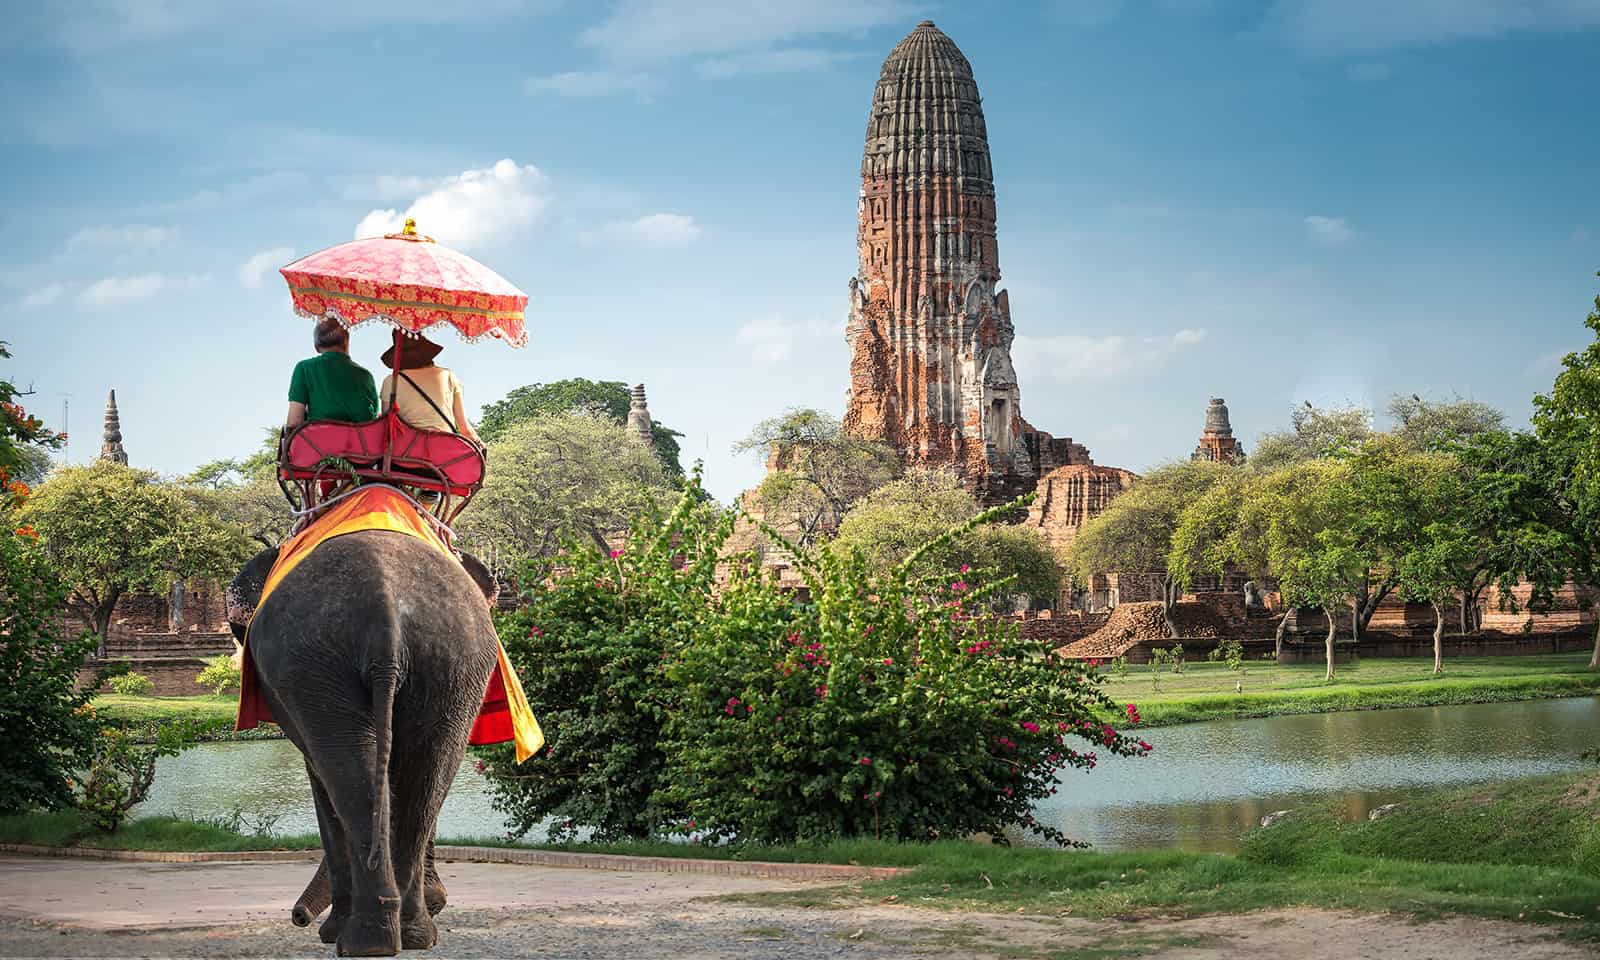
(1268, 201)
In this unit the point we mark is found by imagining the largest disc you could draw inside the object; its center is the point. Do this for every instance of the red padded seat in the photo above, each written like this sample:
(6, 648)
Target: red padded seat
(427, 459)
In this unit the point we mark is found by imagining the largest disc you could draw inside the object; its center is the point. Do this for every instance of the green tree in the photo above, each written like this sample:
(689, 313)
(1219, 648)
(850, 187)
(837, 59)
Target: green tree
(556, 477)
(816, 471)
(109, 529)
(1302, 523)
(1314, 432)
(897, 519)
(610, 398)
(1440, 424)
(245, 493)
(1215, 533)
(1134, 534)
(1567, 421)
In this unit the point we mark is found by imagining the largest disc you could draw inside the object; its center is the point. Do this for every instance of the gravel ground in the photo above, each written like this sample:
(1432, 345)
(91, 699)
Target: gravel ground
(53, 908)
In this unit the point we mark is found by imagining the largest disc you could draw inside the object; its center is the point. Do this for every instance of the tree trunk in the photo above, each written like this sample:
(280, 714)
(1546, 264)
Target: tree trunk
(1355, 622)
(1465, 598)
(1594, 661)
(97, 612)
(1331, 627)
(1438, 638)
(1277, 638)
(1169, 597)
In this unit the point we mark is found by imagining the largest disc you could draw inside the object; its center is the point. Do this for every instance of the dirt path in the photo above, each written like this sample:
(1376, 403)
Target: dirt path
(59, 908)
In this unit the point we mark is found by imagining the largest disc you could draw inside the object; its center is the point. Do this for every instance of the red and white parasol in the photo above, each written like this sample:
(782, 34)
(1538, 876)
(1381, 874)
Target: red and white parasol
(409, 281)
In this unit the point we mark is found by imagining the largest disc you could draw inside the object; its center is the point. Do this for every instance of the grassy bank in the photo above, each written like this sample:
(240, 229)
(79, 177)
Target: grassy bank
(1206, 691)
(1525, 849)
(213, 712)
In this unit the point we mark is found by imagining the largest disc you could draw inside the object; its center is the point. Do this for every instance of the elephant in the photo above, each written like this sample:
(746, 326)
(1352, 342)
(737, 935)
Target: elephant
(373, 654)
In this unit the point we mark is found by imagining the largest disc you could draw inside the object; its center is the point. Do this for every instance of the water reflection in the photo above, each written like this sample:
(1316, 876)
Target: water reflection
(1207, 783)
(1202, 788)
(265, 778)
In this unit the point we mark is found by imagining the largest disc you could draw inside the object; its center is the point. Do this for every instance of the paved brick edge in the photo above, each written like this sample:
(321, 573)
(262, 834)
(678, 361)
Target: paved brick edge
(546, 858)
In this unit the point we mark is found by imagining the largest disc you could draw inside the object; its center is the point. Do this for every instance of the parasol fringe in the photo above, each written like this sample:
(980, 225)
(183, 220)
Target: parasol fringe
(332, 313)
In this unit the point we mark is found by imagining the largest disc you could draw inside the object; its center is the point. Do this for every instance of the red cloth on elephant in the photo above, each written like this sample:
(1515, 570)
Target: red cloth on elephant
(504, 715)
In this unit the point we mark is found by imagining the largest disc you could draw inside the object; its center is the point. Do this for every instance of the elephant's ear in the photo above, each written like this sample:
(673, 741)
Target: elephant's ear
(482, 576)
(244, 592)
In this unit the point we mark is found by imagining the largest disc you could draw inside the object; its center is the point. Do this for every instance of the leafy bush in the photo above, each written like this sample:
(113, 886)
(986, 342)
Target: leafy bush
(45, 722)
(121, 770)
(875, 705)
(132, 684)
(220, 674)
(588, 644)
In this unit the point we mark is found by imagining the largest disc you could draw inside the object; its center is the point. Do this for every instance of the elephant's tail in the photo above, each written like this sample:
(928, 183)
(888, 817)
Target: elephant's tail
(385, 681)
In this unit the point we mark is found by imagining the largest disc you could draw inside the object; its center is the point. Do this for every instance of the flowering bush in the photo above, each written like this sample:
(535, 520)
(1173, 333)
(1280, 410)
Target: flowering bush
(885, 706)
(44, 724)
(121, 769)
(880, 705)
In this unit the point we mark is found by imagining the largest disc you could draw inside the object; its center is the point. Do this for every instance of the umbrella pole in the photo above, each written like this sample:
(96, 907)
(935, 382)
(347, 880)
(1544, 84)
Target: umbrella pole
(393, 411)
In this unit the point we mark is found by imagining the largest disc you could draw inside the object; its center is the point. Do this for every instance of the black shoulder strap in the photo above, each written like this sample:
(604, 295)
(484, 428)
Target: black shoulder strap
(442, 415)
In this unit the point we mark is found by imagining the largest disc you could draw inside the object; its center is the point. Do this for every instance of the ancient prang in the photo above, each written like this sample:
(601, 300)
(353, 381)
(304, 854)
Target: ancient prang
(1217, 442)
(930, 333)
(111, 437)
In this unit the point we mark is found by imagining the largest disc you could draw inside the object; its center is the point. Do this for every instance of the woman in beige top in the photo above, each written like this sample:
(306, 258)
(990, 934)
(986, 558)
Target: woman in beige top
(420, 382)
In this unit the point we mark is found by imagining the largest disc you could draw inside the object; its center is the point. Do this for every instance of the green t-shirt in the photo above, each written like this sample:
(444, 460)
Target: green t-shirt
(334, 387)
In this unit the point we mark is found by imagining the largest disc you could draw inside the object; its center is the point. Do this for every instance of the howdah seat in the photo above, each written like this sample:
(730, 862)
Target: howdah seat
(317, 455)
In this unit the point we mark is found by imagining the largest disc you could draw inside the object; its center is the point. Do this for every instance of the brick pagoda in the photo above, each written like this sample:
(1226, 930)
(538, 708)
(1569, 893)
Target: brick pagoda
(929, 332)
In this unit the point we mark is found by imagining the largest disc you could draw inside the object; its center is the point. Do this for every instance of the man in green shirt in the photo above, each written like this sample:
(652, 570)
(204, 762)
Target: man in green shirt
(331, 386)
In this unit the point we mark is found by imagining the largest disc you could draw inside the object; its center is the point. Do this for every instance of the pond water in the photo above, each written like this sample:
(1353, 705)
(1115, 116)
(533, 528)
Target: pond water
(1203, 786)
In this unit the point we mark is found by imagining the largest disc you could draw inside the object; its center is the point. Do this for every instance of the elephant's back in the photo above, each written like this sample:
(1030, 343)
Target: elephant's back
(370, 583)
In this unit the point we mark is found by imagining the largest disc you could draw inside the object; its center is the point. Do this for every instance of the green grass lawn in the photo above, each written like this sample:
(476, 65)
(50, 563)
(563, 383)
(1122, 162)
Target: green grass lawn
(1521, 850)
(1205, 691)
(155, 709)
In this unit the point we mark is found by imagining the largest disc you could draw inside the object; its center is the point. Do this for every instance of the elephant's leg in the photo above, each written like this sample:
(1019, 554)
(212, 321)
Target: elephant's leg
(420, 785)
(335, 862)
(348, 762)
(433, 891)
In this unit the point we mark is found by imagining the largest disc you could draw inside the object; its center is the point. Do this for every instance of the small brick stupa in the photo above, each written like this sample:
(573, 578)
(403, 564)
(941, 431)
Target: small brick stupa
(1217, 442)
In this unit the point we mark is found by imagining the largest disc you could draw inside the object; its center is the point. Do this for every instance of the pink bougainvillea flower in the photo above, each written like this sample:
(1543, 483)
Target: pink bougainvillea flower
(959, 586)
(1145, 746)
(1030, 726)
(615, 554)
(866, 761)
(888, 661)
(536, 632)
(965, 568)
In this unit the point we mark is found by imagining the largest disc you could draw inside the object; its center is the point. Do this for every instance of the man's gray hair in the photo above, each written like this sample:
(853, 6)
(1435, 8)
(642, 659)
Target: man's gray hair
(330, 334)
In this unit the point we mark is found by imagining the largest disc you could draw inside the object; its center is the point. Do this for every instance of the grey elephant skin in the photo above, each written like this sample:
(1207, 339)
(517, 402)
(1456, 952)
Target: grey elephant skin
(373, 654)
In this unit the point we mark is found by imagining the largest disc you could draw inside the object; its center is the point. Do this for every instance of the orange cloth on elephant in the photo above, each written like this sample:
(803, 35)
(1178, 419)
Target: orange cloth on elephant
(505, 714)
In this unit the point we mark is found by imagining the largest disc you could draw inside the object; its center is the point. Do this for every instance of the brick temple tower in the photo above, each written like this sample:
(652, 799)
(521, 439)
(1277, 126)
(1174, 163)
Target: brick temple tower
(929, 332)
(1217, 442)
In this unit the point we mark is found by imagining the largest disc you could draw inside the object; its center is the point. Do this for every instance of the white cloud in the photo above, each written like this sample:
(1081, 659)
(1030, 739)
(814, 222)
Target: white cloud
(118, 291)
(131, 237)
(44, 296)
(469, 209)
(1075, 358)
(1329, 230)
(257, 267)
(655, 230)
(1369, 71)
(771, 339)
(651, 31)
(593, 83)
(793, 60)
(90, 26)
(1341, 27)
